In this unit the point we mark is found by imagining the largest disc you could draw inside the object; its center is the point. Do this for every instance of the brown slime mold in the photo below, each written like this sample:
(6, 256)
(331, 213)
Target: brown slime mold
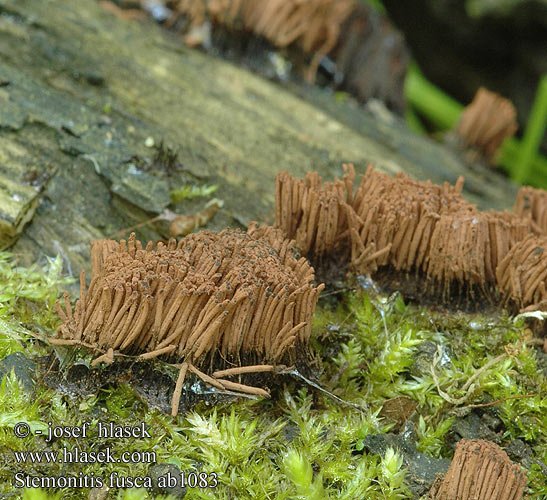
(220, 303)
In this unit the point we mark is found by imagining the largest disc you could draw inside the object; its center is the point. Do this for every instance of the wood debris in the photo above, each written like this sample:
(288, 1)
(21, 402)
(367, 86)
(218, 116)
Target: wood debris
(180, 225)
(212, 301)
(480, 470)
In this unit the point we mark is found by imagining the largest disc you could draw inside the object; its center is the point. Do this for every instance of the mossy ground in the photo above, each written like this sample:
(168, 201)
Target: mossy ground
(299, 444)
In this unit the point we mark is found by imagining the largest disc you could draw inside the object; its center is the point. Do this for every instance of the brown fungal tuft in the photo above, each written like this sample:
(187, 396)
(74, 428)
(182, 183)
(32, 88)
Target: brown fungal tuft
(312, 25)
(532, 204)
(312, 213)
(487, 122)
(480, 470)
(212, 301)
(399, 224)
(522, 274)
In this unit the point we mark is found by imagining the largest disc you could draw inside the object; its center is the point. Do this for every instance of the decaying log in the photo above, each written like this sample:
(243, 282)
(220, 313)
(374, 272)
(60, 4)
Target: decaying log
(83, 93)
(366, 55)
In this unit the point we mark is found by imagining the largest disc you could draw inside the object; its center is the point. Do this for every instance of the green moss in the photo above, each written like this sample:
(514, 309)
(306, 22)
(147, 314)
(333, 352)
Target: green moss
(39, 494)
(299, 444)
(28, 294)
(17, 406)
(299, 470)
(378, 341)
(431, 437)
(393, 476)
(190, 191)
(11, 337)
(34, 283)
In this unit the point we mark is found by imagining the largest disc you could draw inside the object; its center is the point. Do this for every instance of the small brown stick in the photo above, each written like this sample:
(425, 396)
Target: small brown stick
(284, 346)
(204, 341)
(68, 342)
(107, 357)
(520, 396)
(177, 301)
(244, 388)
(90, 309)
(60, 312)
(283, 336)
(82, 306)
(123, 328)
(270, 325)
(208, 315)
(111, 331)
(178, 389)
(118, 297)
(68, 307)
(55, 341)
(158, 313)
(243, 369)
(141, 320)
(206, 378)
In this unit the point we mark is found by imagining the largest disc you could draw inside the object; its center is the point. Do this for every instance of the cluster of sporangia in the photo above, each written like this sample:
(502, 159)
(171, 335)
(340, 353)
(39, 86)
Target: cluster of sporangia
(480, 470)
(486, 123)
(313, 25)
(342, 36)
(418, 227)
(234, 303)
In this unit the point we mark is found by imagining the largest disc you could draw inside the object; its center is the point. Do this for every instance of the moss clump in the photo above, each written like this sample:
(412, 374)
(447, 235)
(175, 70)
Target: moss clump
(28, 294)
(299, 444)
(378, 341)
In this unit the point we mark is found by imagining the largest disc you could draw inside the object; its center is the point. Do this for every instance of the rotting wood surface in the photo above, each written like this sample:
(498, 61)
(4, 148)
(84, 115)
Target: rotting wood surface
(81, 92)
